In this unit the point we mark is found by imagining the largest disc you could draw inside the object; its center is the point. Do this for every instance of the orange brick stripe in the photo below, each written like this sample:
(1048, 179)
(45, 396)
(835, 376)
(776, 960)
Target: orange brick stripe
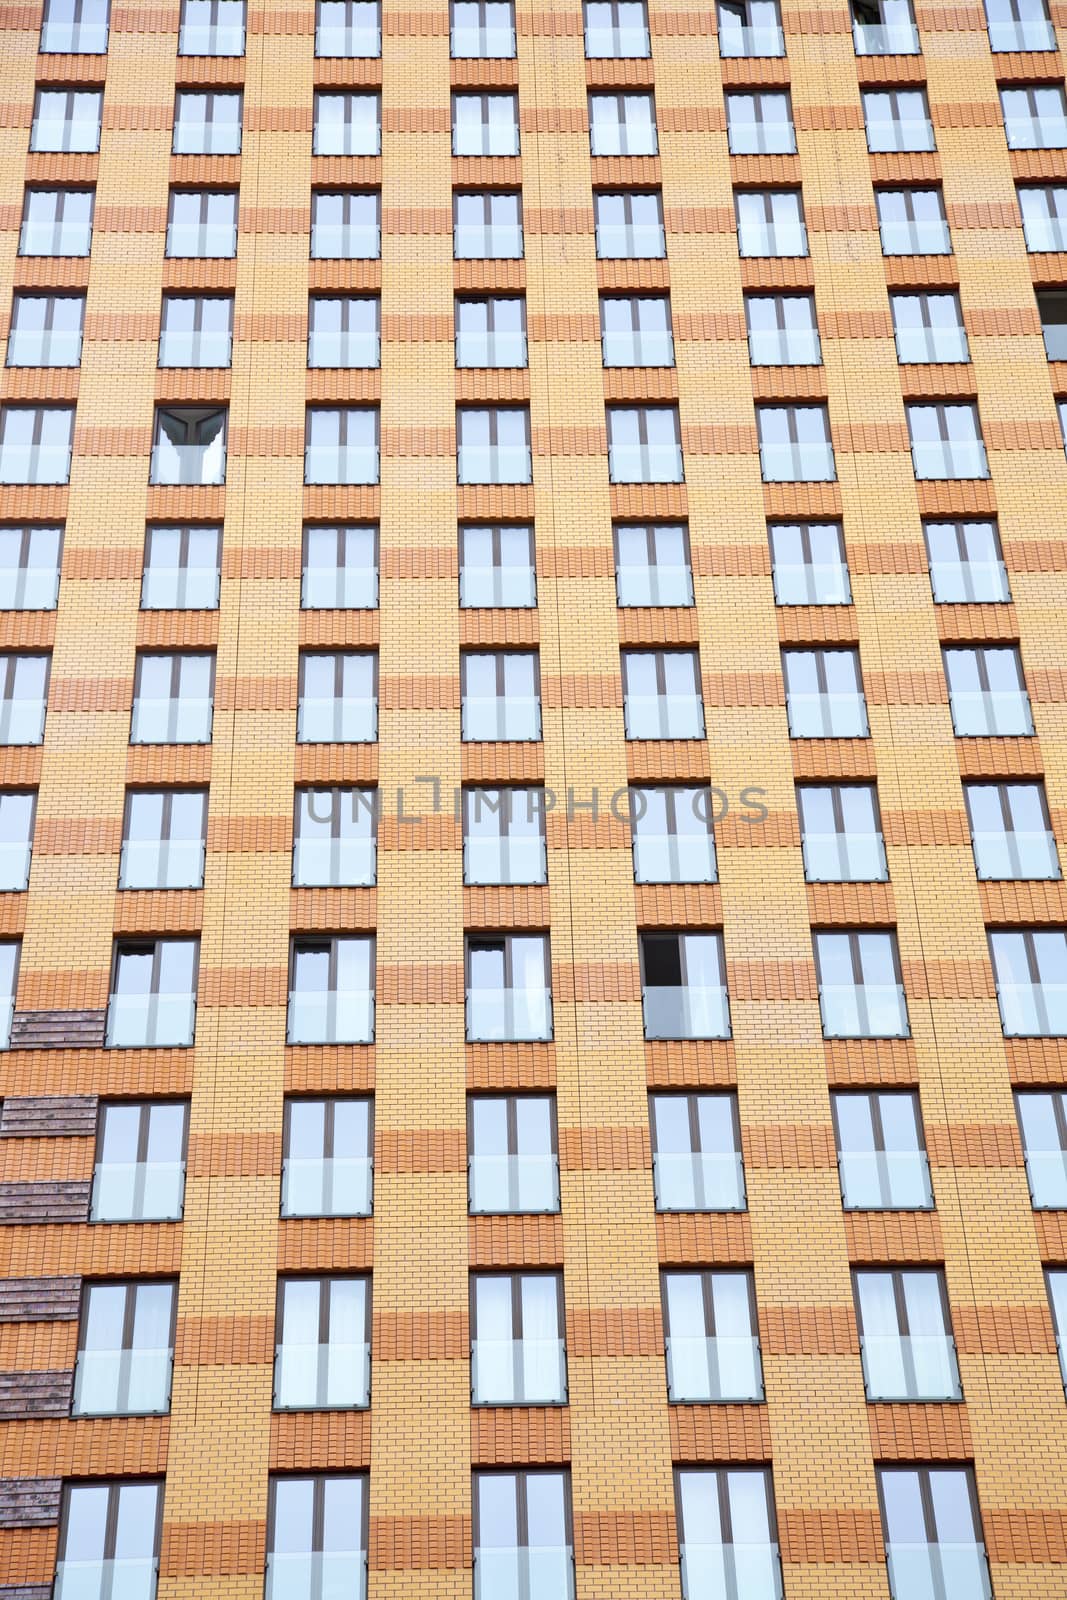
(1022, 1536)
(785, 1146)
(604, 1149)
(624, 1538)
(515, 1241)
(421, 1150)
(213, 1549)
(234, 1155)
(320, 1441)
(808, 1330)
(828, 119)
(224, 1341)
(720, 1433)
(614, 1331)
(421, 1335)
(1004, 1330)
(982, 1145)
(888, 1238)
(511, 1437)
(414, 1544)
(920, 1433)
(839, 1536)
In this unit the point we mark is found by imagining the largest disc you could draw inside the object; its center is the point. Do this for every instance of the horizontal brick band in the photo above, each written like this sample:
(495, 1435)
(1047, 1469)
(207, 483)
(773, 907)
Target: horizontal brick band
(920, 1433)
(508, 1437)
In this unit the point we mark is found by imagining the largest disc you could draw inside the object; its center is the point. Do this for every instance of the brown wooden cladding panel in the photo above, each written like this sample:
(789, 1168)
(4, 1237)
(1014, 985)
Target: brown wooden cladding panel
(29, 1502)
(58, 1030)
(39, 1299)
(50, 1115)
(35, 1394)
(44, 1202)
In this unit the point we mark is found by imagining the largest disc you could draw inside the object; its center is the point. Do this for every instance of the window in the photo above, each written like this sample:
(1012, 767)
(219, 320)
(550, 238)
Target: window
(501, 696)
(841, 833)
(933, 1536)
(349, 28)
(987, 691)
(518, 1356)
(46, 330)
(759, 122)
(163, 839)
(35, 444)
(713, 1353)
(635, 331)
(513, 1153)
(1035, 118)
(322, 1357)
(881, 1151)
(341, 446)
(808, 564)
(884, 28)
(795, 444)
(683, 986)
(493, 446)
(487, 227)
(338, 702)
(1044, 214)
(109, 1536)
(644, 444)
(212, 28)
(696, 1152)
(483, 29)
(897, 119)
(623, 124)
(906, 1338)
(861, 993)
(770, 222)
(616, 30)
(946, 441)
(652, 565)
(29, 567)
(523, 1540)
(125, 1350)
(153, 994)
(673, 839)
(340, 568)
(207, 122)
(57, 222)
(1056, 1280)
(485, 125)
(317, 1536)
(1043, 1125)
(508, 988)
(190, 447)
(1030, 968)
(344, 332)
(662, 694)
(491, 332)
(1011, 831)
(824, 696)
(23, 698)
(912, 222)
(17, 810)
(346, 226)
(782, 331)
(173, 699)
(66, 119)
(327, 1165)
(181, 569)
(139, 1173)
(74, 27)
(496, 567)
(9, 972)
(727, 1530)
(1019, 25)
(202, 223)
(331, 991)
(347, 124)
(750, 28)
(335, 842)
(196, 331)
(1052, 309)
(504, 836)
(929, 327)
(966, 564)
(629, 227)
